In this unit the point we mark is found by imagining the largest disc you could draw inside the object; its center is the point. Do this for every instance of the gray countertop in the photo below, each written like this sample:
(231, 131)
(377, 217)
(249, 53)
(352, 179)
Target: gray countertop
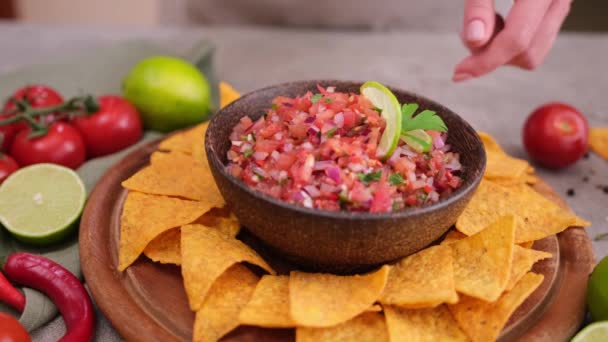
(422, 62)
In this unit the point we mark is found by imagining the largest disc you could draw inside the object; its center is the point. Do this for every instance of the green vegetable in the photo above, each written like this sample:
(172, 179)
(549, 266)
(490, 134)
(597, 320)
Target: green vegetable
(331, 132)
(426, 120)
(315, 98)
(329, 100)
(248, 153)
(369, 177)
(378, 109)
(395, 179)
(274, 107)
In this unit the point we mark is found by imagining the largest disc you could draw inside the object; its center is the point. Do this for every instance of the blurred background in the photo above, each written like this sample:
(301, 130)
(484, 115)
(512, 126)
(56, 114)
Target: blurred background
(586, 15)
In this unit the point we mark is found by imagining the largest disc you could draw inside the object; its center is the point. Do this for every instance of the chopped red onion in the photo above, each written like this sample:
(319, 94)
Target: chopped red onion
(333, 173)
(312, 191)
(306, 145)
(339, 119)
(245, 147)
(331, 89)
(275, 155)
(327, 188)
(259, 171)
(323, 164)
(236, 143)
(438, 142)
(309, 119)
(260, 155)
(278, 136)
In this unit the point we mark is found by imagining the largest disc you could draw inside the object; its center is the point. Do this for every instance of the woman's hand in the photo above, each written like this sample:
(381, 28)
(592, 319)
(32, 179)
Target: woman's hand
(529, 33)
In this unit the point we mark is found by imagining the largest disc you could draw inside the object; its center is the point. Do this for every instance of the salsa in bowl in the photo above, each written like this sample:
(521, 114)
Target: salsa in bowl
(349, 197)
(323, 150)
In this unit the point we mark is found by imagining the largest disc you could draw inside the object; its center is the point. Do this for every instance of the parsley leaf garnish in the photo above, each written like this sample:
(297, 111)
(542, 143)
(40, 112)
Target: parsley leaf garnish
(425, 120)
(248, 153)
(315, 98)
(395, 179)
(367, 178)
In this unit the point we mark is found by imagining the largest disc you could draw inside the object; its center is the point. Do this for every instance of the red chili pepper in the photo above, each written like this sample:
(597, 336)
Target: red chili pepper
(10, 295)
(61, 286)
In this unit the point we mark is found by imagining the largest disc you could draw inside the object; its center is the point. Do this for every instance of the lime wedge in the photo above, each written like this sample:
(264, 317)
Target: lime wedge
(597, 292)
(596, 332)
(418, 139)
(383, 98)
(41, 204)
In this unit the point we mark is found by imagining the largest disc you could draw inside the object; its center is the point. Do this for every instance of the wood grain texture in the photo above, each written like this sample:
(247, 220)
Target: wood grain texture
(148, 301)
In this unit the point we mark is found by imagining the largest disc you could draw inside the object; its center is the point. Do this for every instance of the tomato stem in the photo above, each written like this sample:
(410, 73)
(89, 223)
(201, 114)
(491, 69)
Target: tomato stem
(80, 105)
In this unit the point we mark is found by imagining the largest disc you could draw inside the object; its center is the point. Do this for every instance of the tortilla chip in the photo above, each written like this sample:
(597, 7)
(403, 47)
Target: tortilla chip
(482, 262)
(269, 305)
(176, 174)
(220, 310)
(165, 248)
(452, 236)
(523, 260)
(374, 308)
(527, 244)
(537, 217)
(324, 300)
(227, 94)
(483, 321)
(422, 280)
(367, 327)
(144, 217)
(206, 254)
(183, 141)
(418, 325)
(499, 165)
(598, 141)
(199, 154)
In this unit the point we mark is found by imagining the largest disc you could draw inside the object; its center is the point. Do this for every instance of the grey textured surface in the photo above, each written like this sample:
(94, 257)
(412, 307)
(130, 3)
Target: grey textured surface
(421, 62)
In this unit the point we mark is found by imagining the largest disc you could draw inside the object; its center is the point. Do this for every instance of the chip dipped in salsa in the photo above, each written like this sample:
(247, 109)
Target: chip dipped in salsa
(323, 151)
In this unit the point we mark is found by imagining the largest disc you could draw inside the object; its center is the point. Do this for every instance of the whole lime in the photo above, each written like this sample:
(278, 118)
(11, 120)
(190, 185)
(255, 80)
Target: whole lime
(597, 291)
(169, 93)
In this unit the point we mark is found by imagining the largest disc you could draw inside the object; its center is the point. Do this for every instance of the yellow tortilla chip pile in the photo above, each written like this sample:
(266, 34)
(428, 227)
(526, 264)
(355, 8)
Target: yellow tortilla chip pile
(463, 289)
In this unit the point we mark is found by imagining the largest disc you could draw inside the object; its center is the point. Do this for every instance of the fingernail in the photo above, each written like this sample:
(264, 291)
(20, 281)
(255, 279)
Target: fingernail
(476, 31)
(461, 76)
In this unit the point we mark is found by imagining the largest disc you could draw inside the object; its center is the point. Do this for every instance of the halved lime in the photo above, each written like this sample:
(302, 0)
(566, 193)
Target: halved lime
(383, 98)
(597, 292)
(41, 204)
(418, 139)
(596, 332)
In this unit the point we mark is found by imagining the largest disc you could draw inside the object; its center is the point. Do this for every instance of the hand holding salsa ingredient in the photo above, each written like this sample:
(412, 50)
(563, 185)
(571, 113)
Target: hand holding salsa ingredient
(555, 135)
(61, 286)
(8, 165)
(320, 151)
(10, 295)
(114, 126)
(11, 330)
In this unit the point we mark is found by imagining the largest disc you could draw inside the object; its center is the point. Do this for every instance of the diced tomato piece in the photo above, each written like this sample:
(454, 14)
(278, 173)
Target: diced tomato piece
(270, 129)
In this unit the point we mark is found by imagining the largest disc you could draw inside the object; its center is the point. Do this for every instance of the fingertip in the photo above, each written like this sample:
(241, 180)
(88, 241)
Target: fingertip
(476, 33)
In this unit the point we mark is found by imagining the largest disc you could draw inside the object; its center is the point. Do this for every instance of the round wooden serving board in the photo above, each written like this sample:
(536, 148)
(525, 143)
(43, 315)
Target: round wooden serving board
(147, 302)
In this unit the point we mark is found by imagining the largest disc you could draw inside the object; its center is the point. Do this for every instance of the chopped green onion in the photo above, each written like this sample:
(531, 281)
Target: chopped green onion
(331, 132)
(315, 98)
(378, 109)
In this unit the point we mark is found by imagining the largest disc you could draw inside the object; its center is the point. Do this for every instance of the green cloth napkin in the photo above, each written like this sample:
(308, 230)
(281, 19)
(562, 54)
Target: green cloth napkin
(99, 71)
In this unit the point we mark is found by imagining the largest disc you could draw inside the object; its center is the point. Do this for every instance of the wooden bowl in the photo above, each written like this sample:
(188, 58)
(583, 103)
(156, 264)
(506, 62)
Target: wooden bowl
(341, 242)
